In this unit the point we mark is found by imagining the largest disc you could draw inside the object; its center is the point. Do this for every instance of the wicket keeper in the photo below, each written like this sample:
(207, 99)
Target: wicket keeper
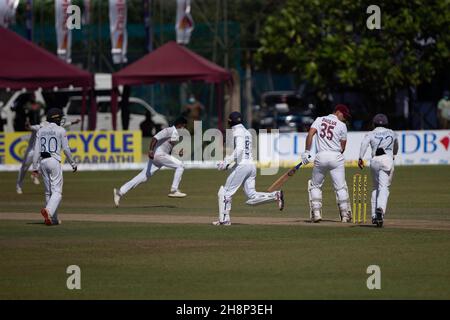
(384, 144)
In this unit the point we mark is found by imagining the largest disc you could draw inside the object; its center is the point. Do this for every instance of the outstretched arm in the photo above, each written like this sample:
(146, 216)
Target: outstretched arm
(151, 148)
(362, 151)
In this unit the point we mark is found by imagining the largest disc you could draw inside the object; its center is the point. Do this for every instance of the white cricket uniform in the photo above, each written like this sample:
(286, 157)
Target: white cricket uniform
(243, 172)
(167, 138)
(51, 140)
(329, 158)
(28, 156)
(382, 166)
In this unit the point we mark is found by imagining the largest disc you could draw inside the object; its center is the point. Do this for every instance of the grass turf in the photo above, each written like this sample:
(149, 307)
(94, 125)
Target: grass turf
(155, 261)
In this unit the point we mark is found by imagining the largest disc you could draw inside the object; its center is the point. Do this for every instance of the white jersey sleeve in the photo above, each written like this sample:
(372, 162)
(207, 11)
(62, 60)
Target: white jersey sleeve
(330, 132)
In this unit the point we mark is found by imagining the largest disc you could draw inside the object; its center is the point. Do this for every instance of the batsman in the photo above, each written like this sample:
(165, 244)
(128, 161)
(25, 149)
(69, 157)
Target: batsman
(331, 139)
(243, 171)
(384, 145)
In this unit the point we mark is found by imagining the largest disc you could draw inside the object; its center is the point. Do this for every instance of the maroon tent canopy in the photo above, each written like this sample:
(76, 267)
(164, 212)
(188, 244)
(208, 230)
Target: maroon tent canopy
(25, 65)
(169, 63)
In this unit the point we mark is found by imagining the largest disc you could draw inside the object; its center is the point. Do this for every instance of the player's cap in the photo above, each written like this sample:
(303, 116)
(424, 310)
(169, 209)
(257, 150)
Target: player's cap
(54, 114)
(344, 110)
(380, 120)
(235, 117)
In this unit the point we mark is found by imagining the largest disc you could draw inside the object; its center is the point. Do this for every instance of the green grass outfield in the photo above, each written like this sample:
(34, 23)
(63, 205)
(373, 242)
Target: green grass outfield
(199, 261)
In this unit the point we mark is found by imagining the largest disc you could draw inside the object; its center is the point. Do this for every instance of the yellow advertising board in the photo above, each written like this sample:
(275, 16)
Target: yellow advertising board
(88, 147)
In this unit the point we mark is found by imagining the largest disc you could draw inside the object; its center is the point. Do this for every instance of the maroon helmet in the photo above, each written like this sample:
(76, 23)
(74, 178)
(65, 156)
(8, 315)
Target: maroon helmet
(344, 110)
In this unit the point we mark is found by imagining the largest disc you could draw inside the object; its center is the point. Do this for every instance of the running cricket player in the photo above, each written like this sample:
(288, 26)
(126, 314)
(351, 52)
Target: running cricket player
(50, 141)
(331, 139)
(384, 145)
(159, 156)
(28, 157)
(243, 172)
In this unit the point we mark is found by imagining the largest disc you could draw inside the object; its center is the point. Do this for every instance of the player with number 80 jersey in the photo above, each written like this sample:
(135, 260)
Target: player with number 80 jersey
(331, 138)
(51, 140)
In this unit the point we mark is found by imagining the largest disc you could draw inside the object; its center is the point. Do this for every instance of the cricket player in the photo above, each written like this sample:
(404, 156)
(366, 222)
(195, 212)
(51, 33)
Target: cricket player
(51, 140)
(28, 157)
(159, 156)
(384, 145)
(331, 138)
(243, 172)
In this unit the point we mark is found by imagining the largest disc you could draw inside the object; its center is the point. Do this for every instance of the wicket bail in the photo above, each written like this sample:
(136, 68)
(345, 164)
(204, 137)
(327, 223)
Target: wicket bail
(359, 198)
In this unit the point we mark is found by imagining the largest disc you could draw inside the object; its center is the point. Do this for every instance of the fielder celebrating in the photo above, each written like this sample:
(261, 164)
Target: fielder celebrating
(244, 172)
(331, 139)
(384, 145)
(50, 141)
(28, 157)
(159, 156)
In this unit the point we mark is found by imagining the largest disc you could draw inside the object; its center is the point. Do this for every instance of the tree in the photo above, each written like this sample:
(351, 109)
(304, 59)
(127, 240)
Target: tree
(328, 44)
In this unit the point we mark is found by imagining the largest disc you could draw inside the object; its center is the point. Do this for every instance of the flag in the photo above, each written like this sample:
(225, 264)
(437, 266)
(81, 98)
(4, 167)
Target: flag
(63, 34)
(118, 30)
(148, 26)
(184, 24)
(86, 18)
(29, 19)
(8, 12)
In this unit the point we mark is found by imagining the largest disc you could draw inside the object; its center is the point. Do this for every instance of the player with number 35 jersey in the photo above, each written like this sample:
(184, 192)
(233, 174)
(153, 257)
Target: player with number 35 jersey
(330, 134)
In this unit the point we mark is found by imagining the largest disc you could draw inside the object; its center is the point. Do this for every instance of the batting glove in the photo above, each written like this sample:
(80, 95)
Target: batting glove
(222, 165)
(306, 157)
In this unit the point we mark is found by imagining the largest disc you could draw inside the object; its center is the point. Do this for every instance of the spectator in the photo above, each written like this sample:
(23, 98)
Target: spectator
(192, 112)
(444, 111)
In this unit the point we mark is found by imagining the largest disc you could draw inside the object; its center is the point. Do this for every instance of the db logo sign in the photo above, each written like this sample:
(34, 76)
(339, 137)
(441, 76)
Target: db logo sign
(425, 142)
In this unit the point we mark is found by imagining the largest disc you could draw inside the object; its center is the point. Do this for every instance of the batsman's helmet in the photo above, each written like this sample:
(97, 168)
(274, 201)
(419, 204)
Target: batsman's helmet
(234, 118)
(344, 110)
(380, 120)
(55, 115)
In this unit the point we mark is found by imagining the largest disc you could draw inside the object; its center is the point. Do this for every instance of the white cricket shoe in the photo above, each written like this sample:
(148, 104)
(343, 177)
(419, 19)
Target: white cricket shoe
(116, 197)
(315, 216)
(177, 194)
(19, 190)
(35, 179)
(347, 217)
(280, 199)
(219, 223)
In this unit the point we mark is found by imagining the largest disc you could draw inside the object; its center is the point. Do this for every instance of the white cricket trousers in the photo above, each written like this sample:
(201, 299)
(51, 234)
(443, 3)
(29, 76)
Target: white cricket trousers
(26, 163)
(241, 174)
(159, 160)
(51, 171)
(332, 162)
(382, 168)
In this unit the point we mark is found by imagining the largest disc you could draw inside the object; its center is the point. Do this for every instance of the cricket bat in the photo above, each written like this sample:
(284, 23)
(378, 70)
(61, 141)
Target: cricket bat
(285, 177)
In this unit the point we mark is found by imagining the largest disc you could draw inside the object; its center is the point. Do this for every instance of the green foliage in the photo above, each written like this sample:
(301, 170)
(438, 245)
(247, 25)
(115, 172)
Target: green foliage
(327, 43)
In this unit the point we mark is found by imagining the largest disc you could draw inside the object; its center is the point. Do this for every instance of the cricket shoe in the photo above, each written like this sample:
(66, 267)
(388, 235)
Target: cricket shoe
(117, 197)
(347, 217)
(19, 190)
(46, 215)
(280, 199)
(315, 216)
(220, 223)
(177, 194)
(35, 179)
(379, 218)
